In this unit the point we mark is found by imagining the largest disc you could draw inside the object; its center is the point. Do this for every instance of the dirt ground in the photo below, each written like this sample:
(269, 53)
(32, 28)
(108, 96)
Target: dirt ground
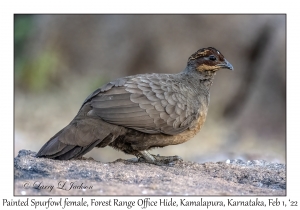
(39, 176)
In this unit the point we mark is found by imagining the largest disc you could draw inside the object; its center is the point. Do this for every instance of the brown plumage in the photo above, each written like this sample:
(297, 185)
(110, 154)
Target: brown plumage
(140, 112)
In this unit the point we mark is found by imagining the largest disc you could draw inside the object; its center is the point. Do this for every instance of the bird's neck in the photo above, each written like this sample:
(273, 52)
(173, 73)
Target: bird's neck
(204, 79)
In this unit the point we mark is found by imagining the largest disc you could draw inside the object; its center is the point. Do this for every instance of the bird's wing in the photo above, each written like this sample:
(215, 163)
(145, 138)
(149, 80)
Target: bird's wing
(147, 103)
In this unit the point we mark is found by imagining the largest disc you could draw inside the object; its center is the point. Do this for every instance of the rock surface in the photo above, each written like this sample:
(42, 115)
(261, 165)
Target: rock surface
(40, 176)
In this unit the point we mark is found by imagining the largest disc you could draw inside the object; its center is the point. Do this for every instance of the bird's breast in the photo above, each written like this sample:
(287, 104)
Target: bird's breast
(196, 127)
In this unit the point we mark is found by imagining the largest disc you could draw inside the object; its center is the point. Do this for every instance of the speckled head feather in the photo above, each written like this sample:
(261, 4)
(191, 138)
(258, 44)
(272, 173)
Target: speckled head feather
(208, 59)
(205, 52)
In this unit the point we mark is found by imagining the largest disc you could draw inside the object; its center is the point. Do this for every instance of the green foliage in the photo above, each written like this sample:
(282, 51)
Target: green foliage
(32, 73)
(22, 29)
(39, 73)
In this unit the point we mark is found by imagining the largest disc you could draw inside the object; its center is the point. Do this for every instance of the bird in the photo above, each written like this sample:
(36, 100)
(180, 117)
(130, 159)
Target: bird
(135, 114)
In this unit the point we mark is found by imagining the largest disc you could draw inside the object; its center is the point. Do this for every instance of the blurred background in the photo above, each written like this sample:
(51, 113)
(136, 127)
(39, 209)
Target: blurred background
(60, 59)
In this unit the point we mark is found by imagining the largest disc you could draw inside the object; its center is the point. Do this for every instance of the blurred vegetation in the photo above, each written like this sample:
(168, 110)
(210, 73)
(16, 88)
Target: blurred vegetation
(22, 30)
(33, 73)
(38, 74)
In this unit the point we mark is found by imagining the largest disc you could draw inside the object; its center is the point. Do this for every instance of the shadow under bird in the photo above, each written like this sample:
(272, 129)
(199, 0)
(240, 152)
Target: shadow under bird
(140, 112)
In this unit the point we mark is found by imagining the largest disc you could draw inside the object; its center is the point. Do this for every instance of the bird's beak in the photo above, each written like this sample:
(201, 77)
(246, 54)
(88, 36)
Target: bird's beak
(226, 65)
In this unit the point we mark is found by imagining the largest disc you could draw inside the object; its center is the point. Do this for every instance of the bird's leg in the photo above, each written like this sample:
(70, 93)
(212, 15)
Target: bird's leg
(157, 159)
(146, 157)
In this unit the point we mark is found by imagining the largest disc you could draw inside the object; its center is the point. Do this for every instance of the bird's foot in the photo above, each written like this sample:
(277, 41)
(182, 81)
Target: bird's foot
(83, 158)
(157, 159)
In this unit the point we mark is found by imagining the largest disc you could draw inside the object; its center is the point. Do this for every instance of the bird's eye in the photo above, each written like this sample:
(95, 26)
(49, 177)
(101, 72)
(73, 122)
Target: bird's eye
(212, 58)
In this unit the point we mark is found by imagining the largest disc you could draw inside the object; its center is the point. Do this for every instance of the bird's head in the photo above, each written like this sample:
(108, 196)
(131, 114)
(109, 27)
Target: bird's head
(208, 60)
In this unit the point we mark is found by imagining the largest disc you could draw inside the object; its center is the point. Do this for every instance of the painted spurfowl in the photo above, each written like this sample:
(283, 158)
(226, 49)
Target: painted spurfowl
(140, 112)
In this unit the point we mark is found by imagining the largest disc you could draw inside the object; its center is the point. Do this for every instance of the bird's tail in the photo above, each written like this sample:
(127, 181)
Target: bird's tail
(78, 138)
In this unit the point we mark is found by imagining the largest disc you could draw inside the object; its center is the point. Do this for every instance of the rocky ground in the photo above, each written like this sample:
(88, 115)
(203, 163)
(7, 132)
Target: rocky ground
(39, 176)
